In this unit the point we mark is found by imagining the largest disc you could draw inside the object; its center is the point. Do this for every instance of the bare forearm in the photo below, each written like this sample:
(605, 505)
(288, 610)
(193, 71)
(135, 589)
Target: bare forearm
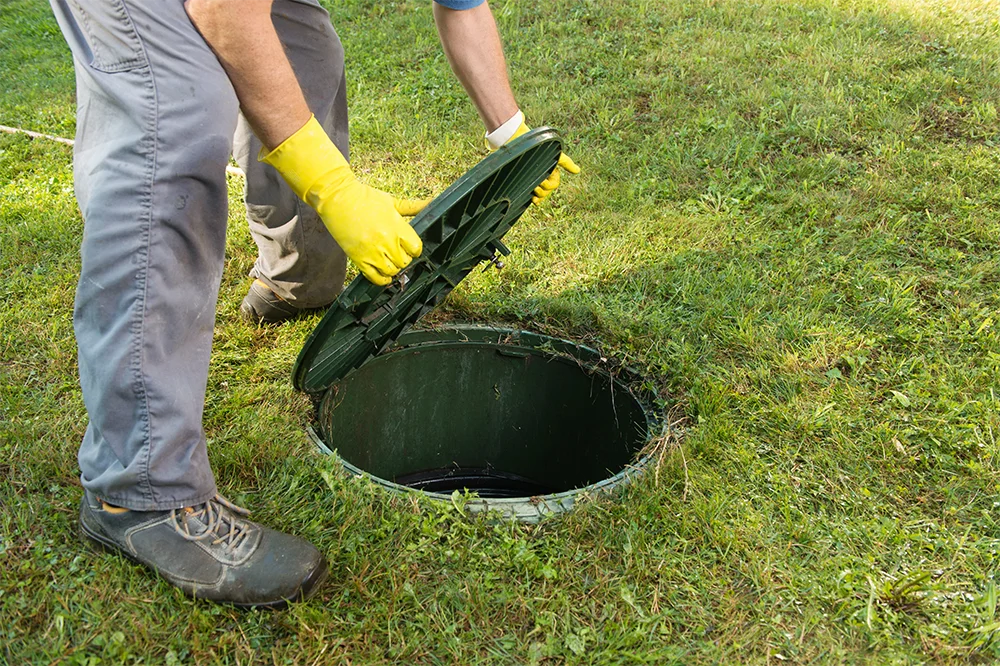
(241, 34)
(472, 44)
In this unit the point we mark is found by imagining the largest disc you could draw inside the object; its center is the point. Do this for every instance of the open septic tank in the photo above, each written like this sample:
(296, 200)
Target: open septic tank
(525, 421)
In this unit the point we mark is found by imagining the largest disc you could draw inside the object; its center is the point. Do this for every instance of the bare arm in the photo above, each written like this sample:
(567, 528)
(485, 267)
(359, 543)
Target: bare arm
(241, 34)
(367, 223)
(472, 44)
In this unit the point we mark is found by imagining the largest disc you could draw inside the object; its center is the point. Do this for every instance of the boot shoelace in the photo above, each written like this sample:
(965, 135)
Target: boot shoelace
(216, 514)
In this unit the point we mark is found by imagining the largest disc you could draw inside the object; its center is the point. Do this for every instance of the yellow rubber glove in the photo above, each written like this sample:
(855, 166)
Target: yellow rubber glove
(367, 223)
(549, 185)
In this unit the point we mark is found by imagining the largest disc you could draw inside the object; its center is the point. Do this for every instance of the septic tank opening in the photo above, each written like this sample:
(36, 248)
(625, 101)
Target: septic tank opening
(525, 421)
(512, 416)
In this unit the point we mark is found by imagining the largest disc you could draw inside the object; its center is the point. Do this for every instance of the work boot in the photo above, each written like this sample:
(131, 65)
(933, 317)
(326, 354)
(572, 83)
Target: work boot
(262, 306)
(210, 551)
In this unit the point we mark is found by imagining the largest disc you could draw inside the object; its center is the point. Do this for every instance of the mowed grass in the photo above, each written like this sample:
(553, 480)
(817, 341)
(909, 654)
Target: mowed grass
(788, 218)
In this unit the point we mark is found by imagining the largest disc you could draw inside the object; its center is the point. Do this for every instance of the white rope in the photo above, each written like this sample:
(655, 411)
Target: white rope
(69, 142)
(35, 135)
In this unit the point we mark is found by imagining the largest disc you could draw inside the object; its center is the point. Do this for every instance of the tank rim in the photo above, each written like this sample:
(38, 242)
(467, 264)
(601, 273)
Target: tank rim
(534, 508)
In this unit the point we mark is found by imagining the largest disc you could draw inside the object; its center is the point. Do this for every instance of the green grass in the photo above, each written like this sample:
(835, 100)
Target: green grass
(788, 216)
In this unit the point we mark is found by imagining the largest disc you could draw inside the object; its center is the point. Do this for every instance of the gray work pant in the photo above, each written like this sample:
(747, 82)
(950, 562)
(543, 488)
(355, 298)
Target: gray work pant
(156, 117)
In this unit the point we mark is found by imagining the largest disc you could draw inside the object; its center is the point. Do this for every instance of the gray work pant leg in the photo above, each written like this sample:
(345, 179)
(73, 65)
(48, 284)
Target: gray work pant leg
(297, 257)
(155, 120)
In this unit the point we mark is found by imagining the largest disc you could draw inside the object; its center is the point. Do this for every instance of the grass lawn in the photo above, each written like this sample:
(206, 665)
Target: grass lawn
(788, 217)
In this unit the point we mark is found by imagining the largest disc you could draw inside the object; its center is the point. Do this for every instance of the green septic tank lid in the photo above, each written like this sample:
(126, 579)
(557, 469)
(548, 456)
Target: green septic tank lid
(461, 228)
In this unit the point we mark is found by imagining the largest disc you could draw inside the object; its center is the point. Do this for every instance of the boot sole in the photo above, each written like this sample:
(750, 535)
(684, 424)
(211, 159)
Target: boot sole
(309, 585)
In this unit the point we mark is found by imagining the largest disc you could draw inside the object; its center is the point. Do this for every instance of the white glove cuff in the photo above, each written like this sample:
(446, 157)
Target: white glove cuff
(502, 134)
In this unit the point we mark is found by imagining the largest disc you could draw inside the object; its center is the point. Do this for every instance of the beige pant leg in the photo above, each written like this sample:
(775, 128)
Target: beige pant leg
(297, 257)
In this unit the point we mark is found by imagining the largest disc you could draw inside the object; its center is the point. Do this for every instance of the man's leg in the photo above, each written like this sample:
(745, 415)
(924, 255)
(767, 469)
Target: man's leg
(155, 119)
(156, 115)
(298, 261)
